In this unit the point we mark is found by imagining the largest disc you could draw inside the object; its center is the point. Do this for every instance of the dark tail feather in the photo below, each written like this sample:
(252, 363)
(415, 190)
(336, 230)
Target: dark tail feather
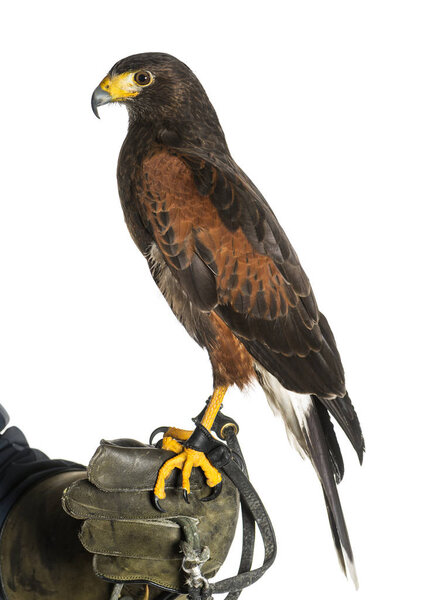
(335, 537)
(319, 443)
(311, 431)
(331, 440)
(343, 411)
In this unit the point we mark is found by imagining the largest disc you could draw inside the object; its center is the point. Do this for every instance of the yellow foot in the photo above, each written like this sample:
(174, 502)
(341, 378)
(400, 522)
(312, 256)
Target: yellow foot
(185, 460)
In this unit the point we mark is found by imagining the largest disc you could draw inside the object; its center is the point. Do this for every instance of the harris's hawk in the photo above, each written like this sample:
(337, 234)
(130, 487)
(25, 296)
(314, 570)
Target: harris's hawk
(229, 273)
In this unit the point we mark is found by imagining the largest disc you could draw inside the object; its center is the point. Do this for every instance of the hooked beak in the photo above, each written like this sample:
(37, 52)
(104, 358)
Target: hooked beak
(99, 97)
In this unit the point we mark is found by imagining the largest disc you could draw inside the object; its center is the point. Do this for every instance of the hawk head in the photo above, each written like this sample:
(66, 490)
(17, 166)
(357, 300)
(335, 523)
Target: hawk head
(155, 87)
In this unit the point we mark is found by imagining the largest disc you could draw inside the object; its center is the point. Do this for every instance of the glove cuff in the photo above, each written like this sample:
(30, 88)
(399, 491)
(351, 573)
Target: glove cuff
(39, 544)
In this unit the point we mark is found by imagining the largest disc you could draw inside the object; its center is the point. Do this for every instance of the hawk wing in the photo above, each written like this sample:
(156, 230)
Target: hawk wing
(228, 251)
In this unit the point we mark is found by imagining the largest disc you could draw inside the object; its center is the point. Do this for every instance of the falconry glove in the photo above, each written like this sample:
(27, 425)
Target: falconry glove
(131, 541)
(179, 550)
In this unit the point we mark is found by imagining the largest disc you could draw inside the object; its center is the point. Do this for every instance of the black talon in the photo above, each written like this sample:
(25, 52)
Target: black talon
(155, 432)
(215, 493)
(157, 503)
(185, 496)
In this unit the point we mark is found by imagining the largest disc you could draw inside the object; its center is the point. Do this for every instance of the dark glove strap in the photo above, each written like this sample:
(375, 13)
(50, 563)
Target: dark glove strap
(248, 522)
(253, 503)
(201, 439)
(253, 511)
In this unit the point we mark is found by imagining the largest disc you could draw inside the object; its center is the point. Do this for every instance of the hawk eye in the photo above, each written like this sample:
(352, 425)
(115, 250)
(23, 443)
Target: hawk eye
(143, 78)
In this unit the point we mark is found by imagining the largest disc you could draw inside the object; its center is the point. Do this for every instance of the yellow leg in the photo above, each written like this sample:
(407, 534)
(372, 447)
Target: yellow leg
(187, 458)
(213, 407)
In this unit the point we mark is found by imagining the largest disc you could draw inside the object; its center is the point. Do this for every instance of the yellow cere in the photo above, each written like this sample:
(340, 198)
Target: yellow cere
(121, 86)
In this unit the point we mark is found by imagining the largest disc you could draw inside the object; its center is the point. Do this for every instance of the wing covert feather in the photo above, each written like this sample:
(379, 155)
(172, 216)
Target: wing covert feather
(227, 249)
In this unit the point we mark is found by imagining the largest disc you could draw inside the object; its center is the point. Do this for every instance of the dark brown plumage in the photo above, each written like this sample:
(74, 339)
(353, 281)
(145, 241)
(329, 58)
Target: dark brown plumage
(225, 265)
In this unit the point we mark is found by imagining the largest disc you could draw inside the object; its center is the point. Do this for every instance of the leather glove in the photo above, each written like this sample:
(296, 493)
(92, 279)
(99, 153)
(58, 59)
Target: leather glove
(132, 541)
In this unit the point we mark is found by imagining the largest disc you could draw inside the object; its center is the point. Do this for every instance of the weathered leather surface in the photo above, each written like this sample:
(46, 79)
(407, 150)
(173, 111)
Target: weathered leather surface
(130, 539)
(135, 467)
(40, 554)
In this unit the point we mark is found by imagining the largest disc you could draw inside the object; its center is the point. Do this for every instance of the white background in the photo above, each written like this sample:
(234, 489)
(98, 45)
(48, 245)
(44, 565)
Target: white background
(325, 105)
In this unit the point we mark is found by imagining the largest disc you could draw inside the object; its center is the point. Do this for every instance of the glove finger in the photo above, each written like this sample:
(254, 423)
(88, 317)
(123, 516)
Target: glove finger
(136, 551)
(122, 468)
(136, 570)
(166, 573)
(115, 468)
(155, 539)
(82, 500)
